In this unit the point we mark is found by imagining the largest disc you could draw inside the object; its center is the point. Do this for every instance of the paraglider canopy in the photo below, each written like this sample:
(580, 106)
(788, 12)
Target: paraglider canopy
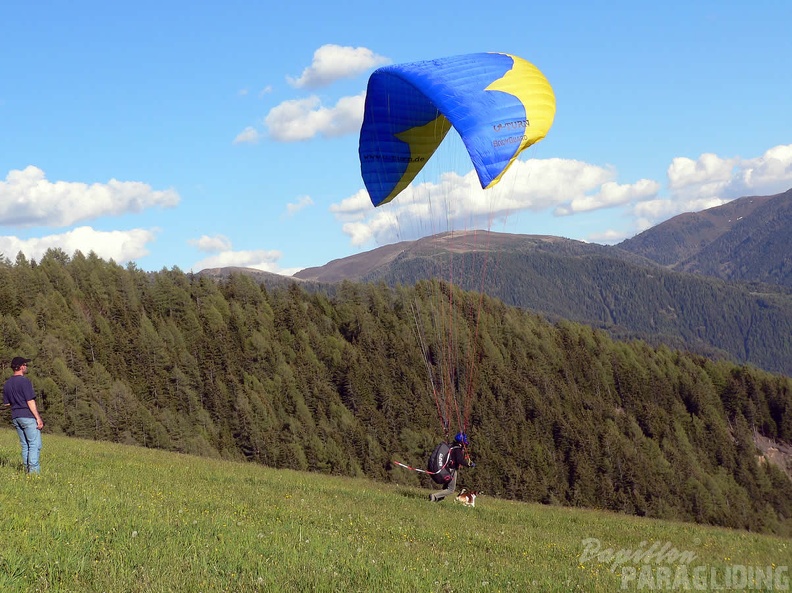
(499, 104)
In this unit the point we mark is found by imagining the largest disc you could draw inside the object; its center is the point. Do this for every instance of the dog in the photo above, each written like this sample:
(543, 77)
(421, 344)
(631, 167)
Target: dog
(467, 498)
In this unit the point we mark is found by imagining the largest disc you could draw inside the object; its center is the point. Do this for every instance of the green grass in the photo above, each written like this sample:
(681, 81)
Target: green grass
(105, 517)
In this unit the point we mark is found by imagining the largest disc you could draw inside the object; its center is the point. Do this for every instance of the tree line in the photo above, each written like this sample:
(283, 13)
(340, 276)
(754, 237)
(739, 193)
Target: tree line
(338, 383)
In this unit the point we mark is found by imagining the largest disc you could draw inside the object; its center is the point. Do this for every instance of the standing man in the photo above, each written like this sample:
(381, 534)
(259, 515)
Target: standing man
(18, 393)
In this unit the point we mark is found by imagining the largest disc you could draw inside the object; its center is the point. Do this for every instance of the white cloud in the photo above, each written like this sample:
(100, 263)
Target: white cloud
(352, 208)
(247, 136)
(457, 202)
(211, 244)
(565, 187)
(768, 174)
(225, 257)
(608, 236)
(711, 176)
(120, 246)
(301, 203)
(708, 169)
(265, 91)
(305, 118)
(302, 119)
(27, 199)
(651, 212)
(611, 194)
(335, 62)
(258, 259)
(711, 181)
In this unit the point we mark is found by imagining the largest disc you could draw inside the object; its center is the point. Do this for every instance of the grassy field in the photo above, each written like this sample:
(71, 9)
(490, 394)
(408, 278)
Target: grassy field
(110, 518)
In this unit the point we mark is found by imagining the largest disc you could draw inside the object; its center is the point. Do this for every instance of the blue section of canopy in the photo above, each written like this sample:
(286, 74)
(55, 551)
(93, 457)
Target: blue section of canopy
(410, 107)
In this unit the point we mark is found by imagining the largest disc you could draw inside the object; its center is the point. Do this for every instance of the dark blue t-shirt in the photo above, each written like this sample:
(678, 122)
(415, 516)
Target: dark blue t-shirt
(17, 391)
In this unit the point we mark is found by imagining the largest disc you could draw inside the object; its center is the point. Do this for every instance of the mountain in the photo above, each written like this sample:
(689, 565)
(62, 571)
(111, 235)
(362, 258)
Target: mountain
(746, 240)
(266, 278)
(716, 282)
(606, 287)
(434, 252)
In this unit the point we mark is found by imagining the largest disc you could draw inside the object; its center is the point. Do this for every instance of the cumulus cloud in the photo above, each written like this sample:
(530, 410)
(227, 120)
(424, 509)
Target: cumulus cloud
(247, 136)
(456, 202)
(224, 256)
(564, 187)
(120, 246)
(707, 170)
(264, 91)
(334, 62)
(259, 259)
(301, 203)
(651, 212)
(608, 236)
(355, 207)
(611, 194)
(711, 180)
(28, 198)
(303, 119)
(713, 177)
(211, 244)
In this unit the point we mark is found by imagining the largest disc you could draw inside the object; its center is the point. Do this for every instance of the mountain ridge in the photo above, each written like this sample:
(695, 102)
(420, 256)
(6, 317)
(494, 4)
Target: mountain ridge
(746, 240)
(632, 290)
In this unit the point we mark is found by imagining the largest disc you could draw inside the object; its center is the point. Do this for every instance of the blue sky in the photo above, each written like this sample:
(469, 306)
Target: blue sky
(203, 134)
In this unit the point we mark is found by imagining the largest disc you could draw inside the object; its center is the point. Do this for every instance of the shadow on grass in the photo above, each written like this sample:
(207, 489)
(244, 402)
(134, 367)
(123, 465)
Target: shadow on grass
(416, 494)
(6, 461)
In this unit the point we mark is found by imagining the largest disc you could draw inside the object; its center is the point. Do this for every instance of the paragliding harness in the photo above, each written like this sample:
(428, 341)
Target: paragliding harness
(439, 465)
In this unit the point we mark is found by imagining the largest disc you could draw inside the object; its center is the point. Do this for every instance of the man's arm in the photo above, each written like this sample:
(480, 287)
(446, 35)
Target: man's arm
(32, 405)
(462, 458)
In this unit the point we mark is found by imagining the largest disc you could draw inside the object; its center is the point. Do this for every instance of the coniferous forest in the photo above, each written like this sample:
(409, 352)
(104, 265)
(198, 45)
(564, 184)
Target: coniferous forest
(561, 414)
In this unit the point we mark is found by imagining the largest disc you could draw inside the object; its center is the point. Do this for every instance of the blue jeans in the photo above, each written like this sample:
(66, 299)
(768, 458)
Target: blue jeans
(30, 440)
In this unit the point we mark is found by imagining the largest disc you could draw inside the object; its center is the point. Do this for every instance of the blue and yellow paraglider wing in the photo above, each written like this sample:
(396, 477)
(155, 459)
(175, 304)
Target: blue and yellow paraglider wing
(401, 130)
(498, 103)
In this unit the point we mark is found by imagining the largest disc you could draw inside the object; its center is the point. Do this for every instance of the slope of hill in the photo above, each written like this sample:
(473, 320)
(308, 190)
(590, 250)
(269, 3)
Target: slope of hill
(355, 266)
(605, 287)
(107, 517)
(295, 379)
(438, 250)
(268, 278)
(747, 240)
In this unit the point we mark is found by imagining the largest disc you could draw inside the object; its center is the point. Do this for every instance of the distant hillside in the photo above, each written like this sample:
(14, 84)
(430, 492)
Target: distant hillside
(267, 278)
(438, 250)
(602, 286)
(356, 266)
(559, 412)
(747, 240)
